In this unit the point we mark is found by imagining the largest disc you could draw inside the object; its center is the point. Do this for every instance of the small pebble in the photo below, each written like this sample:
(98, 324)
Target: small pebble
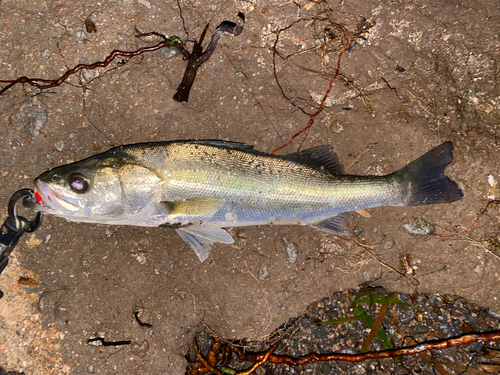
(59, 146)
(263, 274)
(292, 250)
(420, 329)
(87, 75)
(240, 233)
(141, 258)
(59, 311)
(336, 127)
(109, 233)
(240, 77)
(169, 52)
(389, 244)
(265, 12)
(325, 368)
(30, 117)
(419, 227)
(58, 9)
(357, 231)
(146, 3)
(140, 350)
(90, 26)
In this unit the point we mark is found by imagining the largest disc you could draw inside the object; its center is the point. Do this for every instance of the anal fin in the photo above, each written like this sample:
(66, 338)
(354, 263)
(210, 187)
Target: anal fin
(201, 239)
(336, 224)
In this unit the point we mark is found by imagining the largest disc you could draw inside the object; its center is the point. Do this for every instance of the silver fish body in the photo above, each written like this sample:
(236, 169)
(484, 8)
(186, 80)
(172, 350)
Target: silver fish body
(200, 187)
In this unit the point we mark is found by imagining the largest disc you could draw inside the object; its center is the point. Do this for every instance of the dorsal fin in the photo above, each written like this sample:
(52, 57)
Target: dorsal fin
(225, 144)
(321, 157)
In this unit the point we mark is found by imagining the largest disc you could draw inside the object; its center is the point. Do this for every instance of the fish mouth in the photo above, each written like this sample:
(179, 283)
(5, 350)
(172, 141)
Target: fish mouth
(51, 202)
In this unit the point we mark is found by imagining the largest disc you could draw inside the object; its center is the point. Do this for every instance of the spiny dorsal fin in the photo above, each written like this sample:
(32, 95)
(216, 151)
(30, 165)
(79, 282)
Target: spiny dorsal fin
(321, 157)
(225, 144)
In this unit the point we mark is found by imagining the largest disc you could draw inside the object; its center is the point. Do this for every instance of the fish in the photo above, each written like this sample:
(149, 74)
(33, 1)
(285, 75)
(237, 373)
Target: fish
(202, 187)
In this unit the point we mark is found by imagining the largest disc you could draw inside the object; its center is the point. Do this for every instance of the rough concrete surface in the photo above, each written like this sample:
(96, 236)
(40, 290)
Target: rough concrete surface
(426, 72)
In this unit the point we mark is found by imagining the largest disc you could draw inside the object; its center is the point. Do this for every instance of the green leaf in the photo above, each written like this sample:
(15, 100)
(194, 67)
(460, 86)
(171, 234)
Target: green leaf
(369, 321)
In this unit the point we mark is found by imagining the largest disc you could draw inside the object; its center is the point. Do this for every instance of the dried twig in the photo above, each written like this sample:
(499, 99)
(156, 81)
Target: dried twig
(367, 249)
(349, 41)
(490, 202)
(481, 244)
(312, 116)
(377, 325)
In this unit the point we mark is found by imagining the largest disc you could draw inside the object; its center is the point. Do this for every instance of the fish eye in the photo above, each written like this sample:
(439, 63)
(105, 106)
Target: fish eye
(78, 182)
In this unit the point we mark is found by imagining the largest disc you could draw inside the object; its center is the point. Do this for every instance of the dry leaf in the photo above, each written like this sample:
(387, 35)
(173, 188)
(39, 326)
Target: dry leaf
(364, 213)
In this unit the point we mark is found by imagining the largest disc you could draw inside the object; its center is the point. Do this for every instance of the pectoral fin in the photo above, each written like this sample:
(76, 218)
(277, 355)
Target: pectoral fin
(201, 239)
(194, 206)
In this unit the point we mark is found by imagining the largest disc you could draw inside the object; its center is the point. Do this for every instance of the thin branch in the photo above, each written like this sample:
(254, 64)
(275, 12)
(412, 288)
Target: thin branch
(312, 116)
(377, 325)
(494, 201)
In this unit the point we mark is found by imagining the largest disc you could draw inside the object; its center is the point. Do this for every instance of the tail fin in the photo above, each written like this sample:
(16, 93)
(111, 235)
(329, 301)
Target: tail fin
(423, 180)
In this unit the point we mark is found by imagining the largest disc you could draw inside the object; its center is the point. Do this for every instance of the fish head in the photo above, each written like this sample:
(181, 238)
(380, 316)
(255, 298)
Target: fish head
(87, 191)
